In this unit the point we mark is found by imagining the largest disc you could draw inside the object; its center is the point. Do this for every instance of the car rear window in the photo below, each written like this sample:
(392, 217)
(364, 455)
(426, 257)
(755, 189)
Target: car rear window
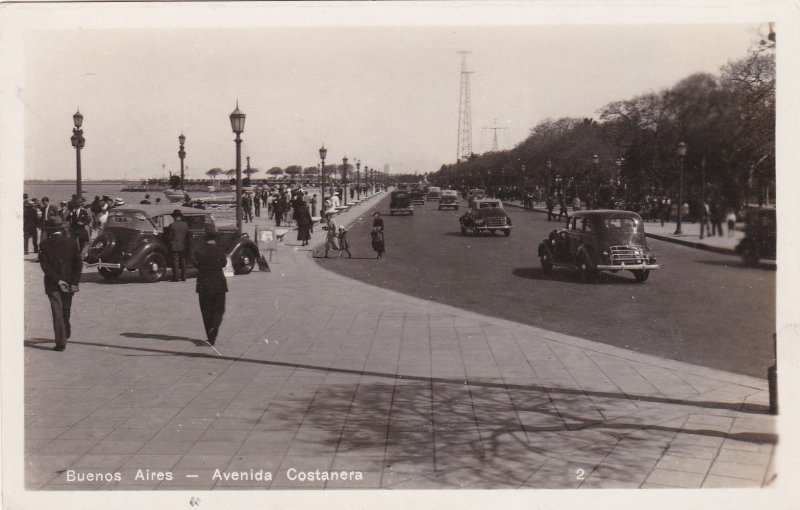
(627, 224)
(129, 219)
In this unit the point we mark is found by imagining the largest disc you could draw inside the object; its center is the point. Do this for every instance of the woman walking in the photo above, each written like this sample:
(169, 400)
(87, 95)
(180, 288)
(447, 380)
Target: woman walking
(304, 223)
(377, 235)
(333, 232)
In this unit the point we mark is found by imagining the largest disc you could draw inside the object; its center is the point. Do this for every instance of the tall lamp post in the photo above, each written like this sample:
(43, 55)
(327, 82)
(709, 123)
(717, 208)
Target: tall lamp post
(181, 154)
(358, 179)
(344, 179)
(78, 142)
(323, 152)
(682, 155)
(237, 125)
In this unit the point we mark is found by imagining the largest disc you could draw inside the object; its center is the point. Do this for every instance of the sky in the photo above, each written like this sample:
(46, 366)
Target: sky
(384, 95)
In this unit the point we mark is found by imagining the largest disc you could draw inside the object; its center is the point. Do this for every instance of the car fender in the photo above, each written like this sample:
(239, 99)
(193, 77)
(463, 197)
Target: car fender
(241, 244)
(588, 251)
(141, 251)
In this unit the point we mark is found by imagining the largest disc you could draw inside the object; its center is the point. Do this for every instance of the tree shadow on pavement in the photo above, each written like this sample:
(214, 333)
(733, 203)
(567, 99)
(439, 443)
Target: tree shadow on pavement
(156, 336)
(491, 437)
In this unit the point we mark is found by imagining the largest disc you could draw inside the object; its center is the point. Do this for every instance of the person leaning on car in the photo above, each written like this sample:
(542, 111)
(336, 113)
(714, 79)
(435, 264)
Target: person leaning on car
(178, 237)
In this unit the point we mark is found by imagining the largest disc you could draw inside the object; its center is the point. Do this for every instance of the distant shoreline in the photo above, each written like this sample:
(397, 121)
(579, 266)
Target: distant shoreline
(72, 183)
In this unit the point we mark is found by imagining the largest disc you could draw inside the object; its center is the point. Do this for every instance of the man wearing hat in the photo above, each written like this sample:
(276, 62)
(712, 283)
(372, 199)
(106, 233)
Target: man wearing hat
(61, 262)
(29, 222)
(211, 285)
(47, 211)
(178, 237)
(146, 200)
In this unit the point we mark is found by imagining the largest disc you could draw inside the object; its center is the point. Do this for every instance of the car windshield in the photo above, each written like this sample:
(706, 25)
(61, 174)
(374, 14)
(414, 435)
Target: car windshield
(129, 219)
(488, 205)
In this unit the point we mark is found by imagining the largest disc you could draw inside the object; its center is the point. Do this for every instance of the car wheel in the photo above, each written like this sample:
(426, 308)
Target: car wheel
(103, 246)
(154, 268)
(245, 261)
(641, 276)
(750, 255)
(109, 273)
(506, 232)
(588, 272)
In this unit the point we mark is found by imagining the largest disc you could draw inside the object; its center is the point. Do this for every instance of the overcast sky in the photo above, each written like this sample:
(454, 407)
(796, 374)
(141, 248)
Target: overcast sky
(386, 95)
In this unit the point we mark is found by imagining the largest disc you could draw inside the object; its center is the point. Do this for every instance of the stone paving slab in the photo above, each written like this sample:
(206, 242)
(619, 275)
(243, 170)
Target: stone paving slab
(333, 375)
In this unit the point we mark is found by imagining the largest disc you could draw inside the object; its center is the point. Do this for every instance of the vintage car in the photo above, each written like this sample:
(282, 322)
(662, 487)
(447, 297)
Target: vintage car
(434, 193)
(400, 202)
(760, 236)
(449, 199)
(486, 214)
(473, 194)
(417, 196)
(133, 239)
(600, 240)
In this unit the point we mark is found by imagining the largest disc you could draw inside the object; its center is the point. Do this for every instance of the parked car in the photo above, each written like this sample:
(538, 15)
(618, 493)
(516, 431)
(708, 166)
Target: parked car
(760, 236)
(400, 202)
(133, 239)
(434, 193)
(600, 240)
(449, 199)
(486, 214)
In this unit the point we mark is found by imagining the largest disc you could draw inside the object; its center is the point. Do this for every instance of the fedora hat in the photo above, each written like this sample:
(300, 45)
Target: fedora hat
(177, 212)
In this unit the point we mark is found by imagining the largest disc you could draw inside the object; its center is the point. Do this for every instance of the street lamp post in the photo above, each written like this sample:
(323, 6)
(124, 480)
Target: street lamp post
(182, 155)
(682, 155)
(78, 142)
(323, 152)
(237, 125)
(358, 179)
(593, 179)
(344, 179)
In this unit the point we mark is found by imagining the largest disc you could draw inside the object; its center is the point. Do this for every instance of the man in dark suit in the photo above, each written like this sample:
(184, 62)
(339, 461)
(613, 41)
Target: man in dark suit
(47, 211)
(61, 262)
(211, 284)
(178, 238)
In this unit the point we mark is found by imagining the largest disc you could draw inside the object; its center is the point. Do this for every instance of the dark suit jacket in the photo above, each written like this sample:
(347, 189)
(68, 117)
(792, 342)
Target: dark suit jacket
(179, 236)
(47, 213)
(60, 259)
(209, 261)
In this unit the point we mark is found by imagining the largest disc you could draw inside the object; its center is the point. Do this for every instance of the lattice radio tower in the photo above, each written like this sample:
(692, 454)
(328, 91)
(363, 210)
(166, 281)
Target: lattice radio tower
(464, 150)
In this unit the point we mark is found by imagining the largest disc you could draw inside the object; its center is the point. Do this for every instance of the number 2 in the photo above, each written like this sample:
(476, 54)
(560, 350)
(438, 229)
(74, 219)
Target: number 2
(580, 474)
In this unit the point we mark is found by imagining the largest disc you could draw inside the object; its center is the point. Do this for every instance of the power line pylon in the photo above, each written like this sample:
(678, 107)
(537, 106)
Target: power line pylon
(494, 140)
(464, 149)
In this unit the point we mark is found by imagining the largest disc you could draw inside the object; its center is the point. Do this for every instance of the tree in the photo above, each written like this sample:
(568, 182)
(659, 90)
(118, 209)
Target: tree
(214, 172)
(310, 171)
(293, 171)
(275, 171)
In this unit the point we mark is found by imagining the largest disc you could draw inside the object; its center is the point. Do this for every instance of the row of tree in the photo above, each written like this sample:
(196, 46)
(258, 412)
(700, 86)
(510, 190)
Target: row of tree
(293, 171)
(727, 123)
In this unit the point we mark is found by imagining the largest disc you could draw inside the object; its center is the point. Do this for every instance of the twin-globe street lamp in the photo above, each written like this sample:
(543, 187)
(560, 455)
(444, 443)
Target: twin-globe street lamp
(78, 142)
(682, 155)
(237, 125)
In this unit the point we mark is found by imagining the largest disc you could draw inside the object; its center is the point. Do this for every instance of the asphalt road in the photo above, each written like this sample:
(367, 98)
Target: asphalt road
(700, 307)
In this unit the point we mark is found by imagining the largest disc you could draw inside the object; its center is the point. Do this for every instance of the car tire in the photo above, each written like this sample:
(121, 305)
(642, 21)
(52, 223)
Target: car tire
(588, 272)
(109, 273)
(641, 276)
(154, 268)
(506, 232)
(245, 261)
(103, 246)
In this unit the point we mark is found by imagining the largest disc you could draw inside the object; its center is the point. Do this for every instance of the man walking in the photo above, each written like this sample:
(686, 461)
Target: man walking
(29, 221)
(211, 285)
(178, 239)
(47, 211)
(61, 263)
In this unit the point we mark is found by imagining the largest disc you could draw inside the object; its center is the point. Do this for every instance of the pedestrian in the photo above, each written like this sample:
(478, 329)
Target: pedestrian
(304, 223)
(158, 200)
(96, 209)
(314, 205)
(730, 218)
(257, 205)
(146, 200)
(576, 203)
(178, 237)
(344, 246)
(29, 222)
(47, 211)
(377, 236)
(61, 263)
(211, 284)
(704, 223)
(562, 206)
(79, 221)
(550, 203)
(332, 233)
(714, 213)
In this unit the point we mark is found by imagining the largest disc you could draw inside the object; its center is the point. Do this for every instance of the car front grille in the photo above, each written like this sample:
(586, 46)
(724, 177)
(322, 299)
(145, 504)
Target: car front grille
(625, 254)
(496, 221)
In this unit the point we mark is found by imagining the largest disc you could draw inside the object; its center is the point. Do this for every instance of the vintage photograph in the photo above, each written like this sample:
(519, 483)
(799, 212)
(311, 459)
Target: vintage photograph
(335, 246)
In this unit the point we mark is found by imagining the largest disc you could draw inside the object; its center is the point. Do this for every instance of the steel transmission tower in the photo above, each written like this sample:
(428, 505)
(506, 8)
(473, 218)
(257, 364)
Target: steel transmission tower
(494, 140)
(464, 150)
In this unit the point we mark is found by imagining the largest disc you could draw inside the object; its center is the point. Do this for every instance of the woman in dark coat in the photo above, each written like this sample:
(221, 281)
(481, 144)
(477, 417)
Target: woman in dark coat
(303, 217)
(377, 235)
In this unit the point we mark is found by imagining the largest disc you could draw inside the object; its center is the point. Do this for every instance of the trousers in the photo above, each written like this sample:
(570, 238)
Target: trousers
(212, 308)
(60, 306)
(178, 259)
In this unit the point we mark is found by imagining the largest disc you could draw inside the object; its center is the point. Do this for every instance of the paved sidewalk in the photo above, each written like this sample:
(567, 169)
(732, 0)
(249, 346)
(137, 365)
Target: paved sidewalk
(319, 372)
(690, 237)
